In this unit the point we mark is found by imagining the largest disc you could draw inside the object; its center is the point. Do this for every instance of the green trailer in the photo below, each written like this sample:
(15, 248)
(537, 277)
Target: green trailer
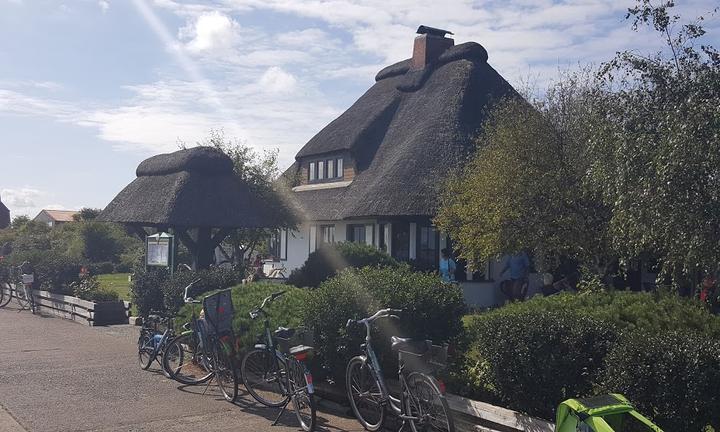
(608, 413)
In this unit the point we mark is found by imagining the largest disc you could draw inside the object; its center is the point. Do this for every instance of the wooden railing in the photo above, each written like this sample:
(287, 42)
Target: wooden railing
(78, 310)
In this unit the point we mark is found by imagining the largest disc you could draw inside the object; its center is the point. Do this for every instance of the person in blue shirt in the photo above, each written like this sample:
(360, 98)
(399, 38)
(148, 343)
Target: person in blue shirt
(516, 287)
(447, 266)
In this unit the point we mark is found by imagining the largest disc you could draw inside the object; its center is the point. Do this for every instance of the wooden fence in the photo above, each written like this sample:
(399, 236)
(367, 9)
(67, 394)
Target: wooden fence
(78, 310)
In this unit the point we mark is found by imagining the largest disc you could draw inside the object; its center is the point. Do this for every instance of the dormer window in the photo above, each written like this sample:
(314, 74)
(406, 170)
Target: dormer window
(325, 170)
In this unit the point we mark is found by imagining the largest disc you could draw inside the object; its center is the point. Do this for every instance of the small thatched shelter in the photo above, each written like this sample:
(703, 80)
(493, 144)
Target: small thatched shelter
(196, 194)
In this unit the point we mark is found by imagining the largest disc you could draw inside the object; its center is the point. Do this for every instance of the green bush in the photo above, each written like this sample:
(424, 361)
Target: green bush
(530, 356)
(212, 279)
(329, 260)
(531, 361)
(652, 312)
(433, 310)
(147, 290)
(672, 377)
(285, 311)
(53, 271)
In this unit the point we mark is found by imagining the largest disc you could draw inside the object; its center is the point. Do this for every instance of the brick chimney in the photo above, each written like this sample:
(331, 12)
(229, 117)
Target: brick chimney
(429, 45)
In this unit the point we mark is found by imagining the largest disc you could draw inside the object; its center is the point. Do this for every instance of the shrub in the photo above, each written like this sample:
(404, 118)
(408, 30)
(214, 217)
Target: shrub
(212, 279)
(285, 311)
(651, 312)
(147, 290)
(329, 260)
(433, 311)
(531, 361)
(672, 377)
(53, 271)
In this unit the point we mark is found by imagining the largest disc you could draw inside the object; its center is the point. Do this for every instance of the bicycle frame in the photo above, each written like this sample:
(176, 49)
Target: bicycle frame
(371, 360)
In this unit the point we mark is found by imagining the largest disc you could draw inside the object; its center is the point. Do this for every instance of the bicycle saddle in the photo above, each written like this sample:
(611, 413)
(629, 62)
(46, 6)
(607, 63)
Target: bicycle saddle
(284, 332)
(416, 346)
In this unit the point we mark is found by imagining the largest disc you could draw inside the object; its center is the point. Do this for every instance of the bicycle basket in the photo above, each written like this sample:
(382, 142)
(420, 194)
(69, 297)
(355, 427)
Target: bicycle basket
(219, 312)
(301, 336)
(433, 360)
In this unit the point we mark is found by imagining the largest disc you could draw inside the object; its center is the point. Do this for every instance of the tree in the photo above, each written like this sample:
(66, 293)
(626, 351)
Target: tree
(657, 154)
(261, 173)
(524, 187)
(87, 214)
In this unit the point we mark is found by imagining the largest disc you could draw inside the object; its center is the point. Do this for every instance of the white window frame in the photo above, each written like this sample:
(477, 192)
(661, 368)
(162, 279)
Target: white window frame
(339, 168)
(312, 173)
(331, 173)
(321, 170)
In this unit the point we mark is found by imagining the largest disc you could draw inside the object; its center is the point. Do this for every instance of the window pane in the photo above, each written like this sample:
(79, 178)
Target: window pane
(331, 168)
(321, 170)
(312, 171)
(357, 233)
(340, 168)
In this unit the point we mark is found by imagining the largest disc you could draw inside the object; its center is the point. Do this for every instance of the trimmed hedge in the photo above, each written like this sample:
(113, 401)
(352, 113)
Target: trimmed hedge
(433, 310)
(673, 377)
(659, 350)
(327, 261)
(531, 361)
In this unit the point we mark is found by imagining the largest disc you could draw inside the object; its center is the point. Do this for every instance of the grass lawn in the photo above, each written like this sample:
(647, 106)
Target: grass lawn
(118, 282)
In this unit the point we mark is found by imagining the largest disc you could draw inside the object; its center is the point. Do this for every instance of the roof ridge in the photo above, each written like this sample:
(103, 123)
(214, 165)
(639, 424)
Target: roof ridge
(472, 51)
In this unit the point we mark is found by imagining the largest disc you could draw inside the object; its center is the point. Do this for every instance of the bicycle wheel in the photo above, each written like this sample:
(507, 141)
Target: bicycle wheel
(5, 294)
(264, 376)
(303, 401)
(145, 349)
(425, 402)
(186, 361)
(364, 394)
(225, 373)
(21, 296)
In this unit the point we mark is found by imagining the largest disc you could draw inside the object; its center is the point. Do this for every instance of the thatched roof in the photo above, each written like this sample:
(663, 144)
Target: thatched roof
(189, 188)
(4, 216)
(407, 133)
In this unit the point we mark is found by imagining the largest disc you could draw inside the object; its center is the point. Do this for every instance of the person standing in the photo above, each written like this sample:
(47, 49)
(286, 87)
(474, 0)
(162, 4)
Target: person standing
(516, 287)
(447, 266)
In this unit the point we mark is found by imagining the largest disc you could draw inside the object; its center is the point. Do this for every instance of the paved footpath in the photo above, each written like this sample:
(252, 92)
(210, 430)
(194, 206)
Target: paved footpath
(56, 375)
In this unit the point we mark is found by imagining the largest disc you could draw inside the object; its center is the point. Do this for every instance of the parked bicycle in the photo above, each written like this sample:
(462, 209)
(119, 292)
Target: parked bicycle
(152, 344)
(277, 375)
(422, 404)
(19, 285)
(206, 349)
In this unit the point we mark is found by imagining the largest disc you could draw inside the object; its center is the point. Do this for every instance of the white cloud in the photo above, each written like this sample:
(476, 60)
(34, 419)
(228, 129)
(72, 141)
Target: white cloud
(21, 201)
(276, 80)
(104, 5)
(210, 32)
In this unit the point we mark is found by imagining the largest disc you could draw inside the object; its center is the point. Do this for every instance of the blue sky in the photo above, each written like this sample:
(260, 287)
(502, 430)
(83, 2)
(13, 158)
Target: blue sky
(89, 88)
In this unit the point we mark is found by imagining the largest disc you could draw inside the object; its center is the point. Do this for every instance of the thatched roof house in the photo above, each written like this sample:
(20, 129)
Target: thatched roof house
(374, 173)
(4, 216)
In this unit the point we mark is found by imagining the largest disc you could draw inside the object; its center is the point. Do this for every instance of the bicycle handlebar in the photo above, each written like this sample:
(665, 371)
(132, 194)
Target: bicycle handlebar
(187, 299)
(269, 299)
(382, 313)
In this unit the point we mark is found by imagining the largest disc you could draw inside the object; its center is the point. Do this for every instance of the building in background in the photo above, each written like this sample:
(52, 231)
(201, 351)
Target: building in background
(4, 215)
(54, 218)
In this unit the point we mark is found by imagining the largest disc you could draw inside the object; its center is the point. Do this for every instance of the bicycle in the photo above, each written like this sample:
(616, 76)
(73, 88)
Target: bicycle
(20, 288)
(152, 344)
(205, 349)
(422, 404)
(276, 376)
